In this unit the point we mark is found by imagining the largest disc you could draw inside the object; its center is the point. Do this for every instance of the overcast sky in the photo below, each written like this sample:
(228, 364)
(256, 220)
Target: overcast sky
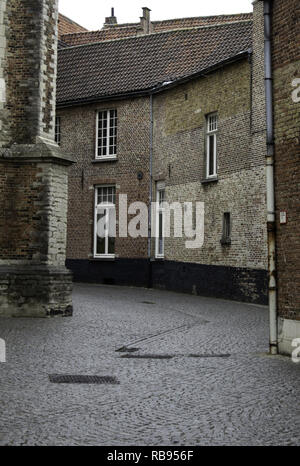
(91, 13)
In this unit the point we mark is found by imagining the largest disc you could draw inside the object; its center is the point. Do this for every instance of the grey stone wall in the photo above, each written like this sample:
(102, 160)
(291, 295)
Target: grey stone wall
(179, 157)
(33, 170)
(2, 67)
(28, 56)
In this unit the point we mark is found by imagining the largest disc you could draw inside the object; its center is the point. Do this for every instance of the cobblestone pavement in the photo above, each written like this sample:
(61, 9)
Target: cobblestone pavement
(247, 398)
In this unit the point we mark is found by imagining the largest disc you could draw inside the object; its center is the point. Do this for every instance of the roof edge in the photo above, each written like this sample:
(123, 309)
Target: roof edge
(162, 21)
(76, 24)
(209, 26)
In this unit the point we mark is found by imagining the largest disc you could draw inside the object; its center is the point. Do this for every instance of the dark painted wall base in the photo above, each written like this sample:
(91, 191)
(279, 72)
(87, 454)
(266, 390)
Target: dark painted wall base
(240, 284)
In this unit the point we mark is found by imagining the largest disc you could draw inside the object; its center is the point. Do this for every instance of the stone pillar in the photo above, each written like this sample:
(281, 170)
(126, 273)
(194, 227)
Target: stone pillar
(33, 170)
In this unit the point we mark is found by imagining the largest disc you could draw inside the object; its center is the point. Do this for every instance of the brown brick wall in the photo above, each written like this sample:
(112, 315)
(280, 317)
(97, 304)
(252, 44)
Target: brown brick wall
(20, 193)
(33, 203)
(78, 126)
(178, 159)
(286, 67)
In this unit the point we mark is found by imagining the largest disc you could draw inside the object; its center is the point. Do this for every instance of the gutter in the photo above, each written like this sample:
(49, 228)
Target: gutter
(160, 87)
(271, 225)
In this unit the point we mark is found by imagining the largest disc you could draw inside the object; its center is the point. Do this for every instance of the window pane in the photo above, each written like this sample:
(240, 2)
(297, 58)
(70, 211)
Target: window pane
(211, 155)
(111, 245)
(106, 220)
(57, 130)
(160, 233)
(161, 196)
(100, 245)
(107, 133)
(212, 123)
(226, 232)
(100, 234)
(107, 195)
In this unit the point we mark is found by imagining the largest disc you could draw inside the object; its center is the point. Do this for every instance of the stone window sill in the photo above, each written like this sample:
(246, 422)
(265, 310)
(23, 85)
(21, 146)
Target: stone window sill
(209, 180)
(105, 159)
(96, 259)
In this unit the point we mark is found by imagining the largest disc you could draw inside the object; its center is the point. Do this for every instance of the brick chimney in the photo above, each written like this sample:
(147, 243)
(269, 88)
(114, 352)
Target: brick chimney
(146, 24)
(111, 20)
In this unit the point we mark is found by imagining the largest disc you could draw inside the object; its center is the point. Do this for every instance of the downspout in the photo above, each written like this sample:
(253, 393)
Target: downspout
(271, 225)
(150, 193)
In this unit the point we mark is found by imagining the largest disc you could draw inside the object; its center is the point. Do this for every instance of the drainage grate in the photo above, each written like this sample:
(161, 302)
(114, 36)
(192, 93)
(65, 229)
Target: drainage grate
(64, 378)
(209, 355)
(147, 302)
(124, 349)
(148, 356)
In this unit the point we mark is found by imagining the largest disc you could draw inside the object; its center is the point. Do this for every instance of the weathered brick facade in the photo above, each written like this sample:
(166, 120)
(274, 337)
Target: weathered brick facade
(179, 154)
(286, 97)
(236, 271)
(33, 171)
(30, 43)
(78, 129)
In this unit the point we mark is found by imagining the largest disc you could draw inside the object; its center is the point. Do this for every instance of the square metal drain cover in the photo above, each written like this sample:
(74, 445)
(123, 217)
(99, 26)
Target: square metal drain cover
(65, 378)
(147, 356)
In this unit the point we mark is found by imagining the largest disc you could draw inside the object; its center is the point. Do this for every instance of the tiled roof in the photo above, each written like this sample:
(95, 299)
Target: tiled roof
(110, 33)
(111, 68)
(134, 29)
(180, 23)
(61, 44)
(68, 26)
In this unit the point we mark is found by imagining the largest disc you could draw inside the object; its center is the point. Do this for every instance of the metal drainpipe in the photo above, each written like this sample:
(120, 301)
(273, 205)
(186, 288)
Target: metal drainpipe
(271, 225)
(150, 191)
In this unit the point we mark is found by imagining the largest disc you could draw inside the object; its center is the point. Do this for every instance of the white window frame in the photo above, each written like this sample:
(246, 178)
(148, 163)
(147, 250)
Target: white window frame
(160, 186)
(211, 130)
(108, 206)
(107, 156)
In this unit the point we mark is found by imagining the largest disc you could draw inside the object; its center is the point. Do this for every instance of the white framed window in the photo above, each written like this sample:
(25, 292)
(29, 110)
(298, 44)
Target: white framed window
(211, 145)
(106, 134)
(57, 132)
(105, 221)
(160, 220)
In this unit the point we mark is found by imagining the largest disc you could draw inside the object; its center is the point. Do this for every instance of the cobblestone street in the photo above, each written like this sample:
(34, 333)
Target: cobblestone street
(242, 397)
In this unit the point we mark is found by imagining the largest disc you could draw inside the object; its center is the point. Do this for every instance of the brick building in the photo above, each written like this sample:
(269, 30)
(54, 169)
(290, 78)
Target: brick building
(33, 170)
(285, 37)
(166, 96)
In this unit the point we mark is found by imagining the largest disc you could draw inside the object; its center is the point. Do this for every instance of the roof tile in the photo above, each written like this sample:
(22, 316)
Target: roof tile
(110, 68)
